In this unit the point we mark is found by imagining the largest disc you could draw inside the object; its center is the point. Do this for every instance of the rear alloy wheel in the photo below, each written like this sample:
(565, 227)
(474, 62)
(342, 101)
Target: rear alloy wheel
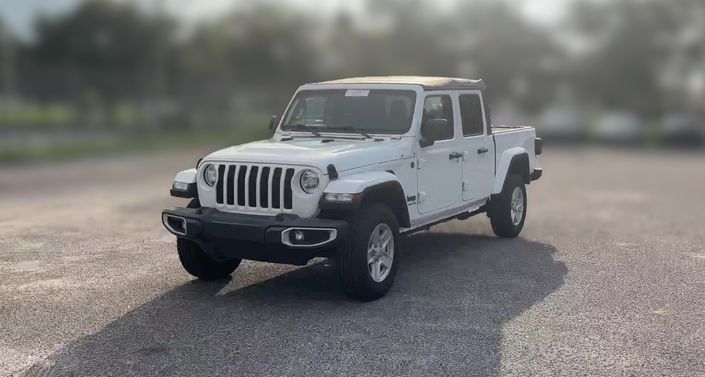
(507, 211)
(368, 263)
(517, 206)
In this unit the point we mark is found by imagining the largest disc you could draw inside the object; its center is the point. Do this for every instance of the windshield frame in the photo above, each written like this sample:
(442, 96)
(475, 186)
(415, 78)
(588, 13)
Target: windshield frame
(413, 91)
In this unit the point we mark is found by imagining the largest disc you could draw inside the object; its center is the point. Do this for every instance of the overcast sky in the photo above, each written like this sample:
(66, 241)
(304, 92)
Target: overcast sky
(18, 14)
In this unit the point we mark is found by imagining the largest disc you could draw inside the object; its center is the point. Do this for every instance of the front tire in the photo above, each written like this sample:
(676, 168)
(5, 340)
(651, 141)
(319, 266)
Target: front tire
(197, 263)
(368, 263)
(508, 209)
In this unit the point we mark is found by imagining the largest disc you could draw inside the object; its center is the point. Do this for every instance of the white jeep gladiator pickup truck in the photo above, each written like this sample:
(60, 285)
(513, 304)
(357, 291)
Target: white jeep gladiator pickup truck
(354, 164)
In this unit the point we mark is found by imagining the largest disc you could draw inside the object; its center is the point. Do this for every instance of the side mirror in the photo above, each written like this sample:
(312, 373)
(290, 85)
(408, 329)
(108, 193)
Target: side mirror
(433, 130)
(273, 122)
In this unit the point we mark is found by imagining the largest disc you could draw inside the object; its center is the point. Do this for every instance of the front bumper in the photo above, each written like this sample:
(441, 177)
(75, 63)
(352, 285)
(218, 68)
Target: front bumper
(224, 235)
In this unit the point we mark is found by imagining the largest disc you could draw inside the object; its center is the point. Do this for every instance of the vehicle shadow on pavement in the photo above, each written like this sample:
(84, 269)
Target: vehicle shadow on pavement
(444, 316)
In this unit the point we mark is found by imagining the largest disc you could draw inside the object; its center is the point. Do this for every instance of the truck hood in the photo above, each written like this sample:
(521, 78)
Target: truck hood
(345, 154)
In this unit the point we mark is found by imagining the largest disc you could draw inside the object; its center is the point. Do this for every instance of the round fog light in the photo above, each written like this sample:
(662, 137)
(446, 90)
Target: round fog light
(298, 235)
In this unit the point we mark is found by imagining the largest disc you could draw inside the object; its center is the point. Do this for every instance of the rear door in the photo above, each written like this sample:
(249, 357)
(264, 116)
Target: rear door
(439, 174)
(477, 147)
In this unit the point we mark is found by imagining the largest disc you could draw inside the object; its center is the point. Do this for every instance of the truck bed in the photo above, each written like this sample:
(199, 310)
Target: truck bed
(506, 137)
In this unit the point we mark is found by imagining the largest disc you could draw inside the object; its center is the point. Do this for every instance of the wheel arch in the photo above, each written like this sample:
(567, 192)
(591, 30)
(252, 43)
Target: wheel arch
(380, 187)
(513, 161)
(392, 195)
(189, 177)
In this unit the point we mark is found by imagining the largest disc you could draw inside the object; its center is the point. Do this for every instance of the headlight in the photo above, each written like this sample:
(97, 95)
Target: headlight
(309, 181)
(210, 175)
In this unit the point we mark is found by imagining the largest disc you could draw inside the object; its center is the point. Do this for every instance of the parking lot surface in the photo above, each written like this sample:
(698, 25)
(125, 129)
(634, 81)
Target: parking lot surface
(608, 278)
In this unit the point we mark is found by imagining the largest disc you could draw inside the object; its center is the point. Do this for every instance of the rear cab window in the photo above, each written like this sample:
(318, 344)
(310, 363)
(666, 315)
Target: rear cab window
(471, 115)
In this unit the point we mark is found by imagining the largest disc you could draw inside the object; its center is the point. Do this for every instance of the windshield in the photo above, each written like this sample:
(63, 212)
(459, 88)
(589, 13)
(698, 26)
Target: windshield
(351, 110)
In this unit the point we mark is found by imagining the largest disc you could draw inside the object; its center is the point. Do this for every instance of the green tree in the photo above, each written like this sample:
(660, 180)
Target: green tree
(102, 46)
(630, 43)
(257, 51)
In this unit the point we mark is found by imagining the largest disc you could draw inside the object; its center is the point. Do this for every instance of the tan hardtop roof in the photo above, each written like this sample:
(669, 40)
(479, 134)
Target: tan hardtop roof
(429, 83)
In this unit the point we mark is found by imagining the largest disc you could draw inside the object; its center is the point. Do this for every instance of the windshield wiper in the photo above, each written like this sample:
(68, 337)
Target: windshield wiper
(351, 128)
(305, 127)
(322, 127)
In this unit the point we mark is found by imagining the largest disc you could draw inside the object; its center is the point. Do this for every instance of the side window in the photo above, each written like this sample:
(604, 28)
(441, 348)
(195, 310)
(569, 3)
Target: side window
(439, 107)
(471, 114)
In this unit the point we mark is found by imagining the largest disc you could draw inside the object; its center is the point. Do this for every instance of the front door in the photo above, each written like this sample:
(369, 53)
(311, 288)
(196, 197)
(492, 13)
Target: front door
(439, 165)
(477, 149)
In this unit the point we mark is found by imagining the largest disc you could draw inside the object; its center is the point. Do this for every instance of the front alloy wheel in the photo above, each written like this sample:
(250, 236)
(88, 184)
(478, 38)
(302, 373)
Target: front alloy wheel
(367, 264)
(380, 252)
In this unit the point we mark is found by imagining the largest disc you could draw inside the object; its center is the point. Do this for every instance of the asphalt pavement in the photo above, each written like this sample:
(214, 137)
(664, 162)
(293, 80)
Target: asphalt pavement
(608, 278)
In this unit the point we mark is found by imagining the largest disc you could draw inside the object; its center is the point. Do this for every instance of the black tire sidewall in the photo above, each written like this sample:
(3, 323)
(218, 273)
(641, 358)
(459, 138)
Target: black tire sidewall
(356, 277)
(500, 214)
(197, 263)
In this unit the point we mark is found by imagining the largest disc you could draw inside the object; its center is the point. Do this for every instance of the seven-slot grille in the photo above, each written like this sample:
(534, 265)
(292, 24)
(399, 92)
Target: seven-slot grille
(254, 186)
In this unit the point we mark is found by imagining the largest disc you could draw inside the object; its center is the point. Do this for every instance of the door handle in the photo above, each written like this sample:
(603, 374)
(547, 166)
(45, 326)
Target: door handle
(454, 155)
(482, 150)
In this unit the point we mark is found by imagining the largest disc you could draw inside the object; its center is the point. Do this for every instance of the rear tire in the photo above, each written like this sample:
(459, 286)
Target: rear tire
(507, 210)
(368, 263)
(197, 263)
